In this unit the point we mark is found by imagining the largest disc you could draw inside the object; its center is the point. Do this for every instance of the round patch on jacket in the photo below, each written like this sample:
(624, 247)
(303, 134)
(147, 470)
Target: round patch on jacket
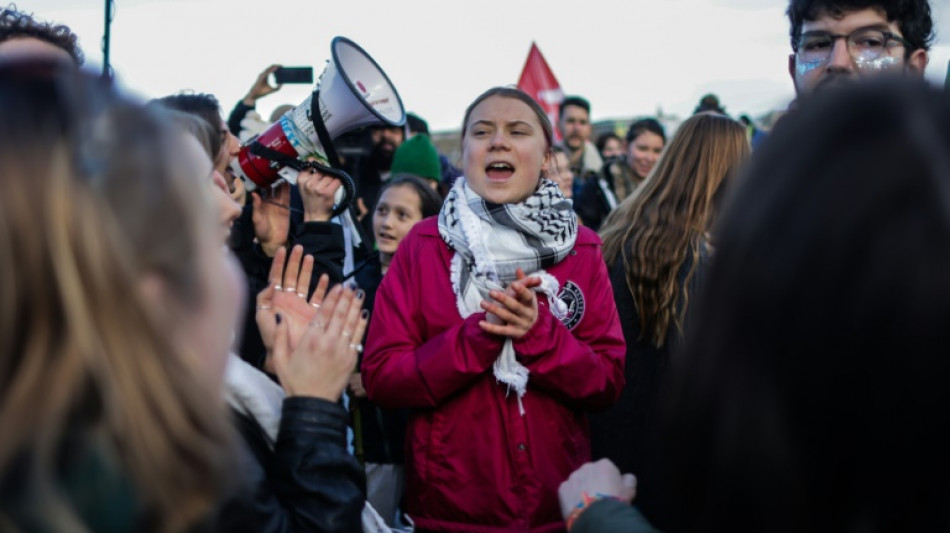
(572, 296)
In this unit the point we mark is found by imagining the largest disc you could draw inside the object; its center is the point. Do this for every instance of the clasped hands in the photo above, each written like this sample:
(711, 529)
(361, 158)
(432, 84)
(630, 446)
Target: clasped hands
(514, 311)
(313, 346)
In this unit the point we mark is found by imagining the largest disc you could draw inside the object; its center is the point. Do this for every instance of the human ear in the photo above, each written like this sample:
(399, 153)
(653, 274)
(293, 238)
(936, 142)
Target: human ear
(152, 289)
(546, 163)
(155, 299)
(917, 62)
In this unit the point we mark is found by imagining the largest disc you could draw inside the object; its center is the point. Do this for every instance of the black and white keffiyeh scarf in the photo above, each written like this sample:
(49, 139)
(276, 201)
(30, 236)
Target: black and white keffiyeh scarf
(492, 241)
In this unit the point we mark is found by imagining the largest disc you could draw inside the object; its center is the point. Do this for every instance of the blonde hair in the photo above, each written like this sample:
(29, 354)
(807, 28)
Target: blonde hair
(667, 217)
(92, 199)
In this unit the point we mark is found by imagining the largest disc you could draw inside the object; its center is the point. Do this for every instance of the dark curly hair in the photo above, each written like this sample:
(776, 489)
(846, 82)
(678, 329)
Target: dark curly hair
(15, 24)
(913, 17)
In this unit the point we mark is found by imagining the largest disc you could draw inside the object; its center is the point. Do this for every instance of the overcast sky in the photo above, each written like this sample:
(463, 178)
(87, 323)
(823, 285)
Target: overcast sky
(628, 57)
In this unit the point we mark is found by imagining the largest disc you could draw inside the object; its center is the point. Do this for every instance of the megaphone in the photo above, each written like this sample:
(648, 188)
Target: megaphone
(352, 92)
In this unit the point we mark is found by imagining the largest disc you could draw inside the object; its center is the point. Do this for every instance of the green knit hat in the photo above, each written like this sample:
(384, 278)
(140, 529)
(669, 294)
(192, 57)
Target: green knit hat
(419, 157)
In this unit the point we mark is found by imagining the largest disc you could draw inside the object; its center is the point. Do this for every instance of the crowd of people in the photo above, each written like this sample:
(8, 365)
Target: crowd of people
(711, 330)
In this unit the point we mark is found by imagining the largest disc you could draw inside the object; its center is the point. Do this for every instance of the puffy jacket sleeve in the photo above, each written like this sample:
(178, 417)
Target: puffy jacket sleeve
(401, 366)
(583, 366)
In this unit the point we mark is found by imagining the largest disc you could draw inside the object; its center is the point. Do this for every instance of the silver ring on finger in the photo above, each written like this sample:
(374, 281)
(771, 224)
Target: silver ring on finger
(260, 307)
(277, 287)
(302, 295)
(315, 305)
(346, 334)
(358, 348)
(290, 289)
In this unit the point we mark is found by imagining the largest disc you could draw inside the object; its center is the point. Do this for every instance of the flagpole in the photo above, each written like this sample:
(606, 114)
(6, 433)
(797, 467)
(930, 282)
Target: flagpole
(106, 67)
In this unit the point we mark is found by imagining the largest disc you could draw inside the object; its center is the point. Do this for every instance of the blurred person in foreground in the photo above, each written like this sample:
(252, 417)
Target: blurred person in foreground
(24, 36)
(284, 484)
(810, 394)
(113, 335)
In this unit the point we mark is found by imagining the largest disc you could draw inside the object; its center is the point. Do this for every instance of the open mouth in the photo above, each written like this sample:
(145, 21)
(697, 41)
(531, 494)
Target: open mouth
(499, 171)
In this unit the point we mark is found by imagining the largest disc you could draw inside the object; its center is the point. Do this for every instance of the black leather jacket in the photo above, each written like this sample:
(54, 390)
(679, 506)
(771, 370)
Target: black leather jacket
(307, 482)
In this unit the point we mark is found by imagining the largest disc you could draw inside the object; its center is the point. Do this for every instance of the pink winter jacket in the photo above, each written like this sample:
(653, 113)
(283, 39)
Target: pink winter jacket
(474, 463)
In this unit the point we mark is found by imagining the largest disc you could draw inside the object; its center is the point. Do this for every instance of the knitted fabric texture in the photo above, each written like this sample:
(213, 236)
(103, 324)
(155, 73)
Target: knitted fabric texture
(419, 157)
(492, 241)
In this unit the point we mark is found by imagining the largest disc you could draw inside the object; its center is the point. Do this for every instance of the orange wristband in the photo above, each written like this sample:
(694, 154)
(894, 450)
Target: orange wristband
(586, 500)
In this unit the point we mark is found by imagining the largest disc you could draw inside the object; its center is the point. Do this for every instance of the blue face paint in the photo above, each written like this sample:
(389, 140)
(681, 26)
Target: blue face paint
(803, 67)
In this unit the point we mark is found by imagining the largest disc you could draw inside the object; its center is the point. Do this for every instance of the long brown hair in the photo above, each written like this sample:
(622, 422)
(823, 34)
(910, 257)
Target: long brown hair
(664, 221)
(92, 199)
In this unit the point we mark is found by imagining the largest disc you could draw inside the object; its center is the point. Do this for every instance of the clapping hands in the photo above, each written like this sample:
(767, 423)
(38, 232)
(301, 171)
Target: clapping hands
(512, 312)
(312, 344)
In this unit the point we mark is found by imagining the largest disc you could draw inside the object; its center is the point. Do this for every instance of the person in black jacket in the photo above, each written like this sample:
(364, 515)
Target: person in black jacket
(297, 473)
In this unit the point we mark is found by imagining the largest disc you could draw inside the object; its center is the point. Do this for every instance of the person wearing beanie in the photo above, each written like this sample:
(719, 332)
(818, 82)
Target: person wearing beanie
(419, 157)
(417, 125)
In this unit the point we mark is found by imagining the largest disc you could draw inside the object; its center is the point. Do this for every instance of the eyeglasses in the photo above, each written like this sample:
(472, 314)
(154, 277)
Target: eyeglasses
(864, 44)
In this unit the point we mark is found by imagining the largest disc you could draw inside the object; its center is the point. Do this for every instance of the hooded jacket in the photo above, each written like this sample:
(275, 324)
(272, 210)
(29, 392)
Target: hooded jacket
(474, 463)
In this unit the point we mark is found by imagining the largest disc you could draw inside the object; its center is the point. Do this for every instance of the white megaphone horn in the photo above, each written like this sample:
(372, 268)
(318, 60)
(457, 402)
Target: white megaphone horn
(352, 92)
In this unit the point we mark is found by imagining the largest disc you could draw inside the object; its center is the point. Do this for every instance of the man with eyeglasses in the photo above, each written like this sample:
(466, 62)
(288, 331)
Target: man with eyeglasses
(838, 41)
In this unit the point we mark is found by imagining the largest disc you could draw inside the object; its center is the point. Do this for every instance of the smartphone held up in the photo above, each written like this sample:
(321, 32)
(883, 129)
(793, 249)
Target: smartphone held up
(293, 75)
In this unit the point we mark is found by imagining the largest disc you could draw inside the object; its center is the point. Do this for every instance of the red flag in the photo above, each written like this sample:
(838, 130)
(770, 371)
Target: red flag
(538, 81)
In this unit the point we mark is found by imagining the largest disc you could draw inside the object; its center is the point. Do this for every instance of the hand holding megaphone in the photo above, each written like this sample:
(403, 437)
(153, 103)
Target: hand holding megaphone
(319, 193)
(352, 92)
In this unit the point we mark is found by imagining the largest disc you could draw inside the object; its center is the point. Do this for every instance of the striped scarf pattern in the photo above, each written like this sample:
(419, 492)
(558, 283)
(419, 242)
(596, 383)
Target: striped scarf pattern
(491, 241)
